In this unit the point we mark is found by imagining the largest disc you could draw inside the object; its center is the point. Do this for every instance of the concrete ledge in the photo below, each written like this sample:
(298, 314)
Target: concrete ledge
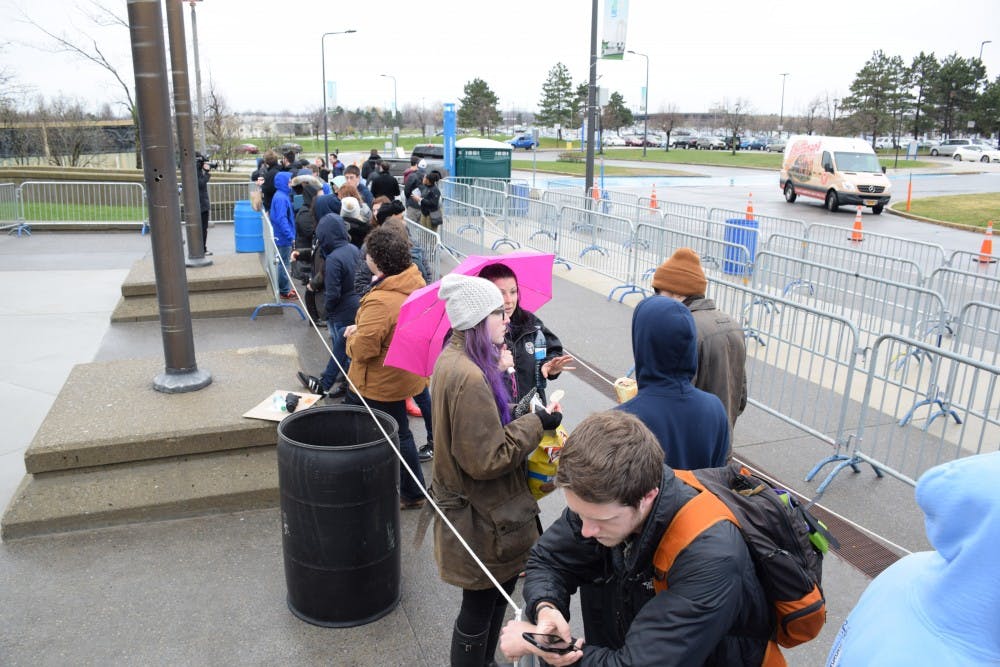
(108, 412)
(149, 491)
(227, 272)
(229, 303)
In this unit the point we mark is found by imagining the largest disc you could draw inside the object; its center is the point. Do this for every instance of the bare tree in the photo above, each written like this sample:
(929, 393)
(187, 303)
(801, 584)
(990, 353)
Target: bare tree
(222, 127)
(811, 116)
(87, 48)
(666, 120)
(734, 114)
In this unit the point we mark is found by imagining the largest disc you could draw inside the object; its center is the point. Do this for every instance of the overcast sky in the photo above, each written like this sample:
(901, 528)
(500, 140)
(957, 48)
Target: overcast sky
(265, 55)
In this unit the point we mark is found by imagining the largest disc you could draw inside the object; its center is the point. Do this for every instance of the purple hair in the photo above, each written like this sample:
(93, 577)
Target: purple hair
(485, 355)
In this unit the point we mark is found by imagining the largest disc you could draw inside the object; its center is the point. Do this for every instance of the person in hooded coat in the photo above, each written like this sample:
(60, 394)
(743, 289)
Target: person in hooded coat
(340, 257)
(690, 424)
(937, 607)
(283, 226)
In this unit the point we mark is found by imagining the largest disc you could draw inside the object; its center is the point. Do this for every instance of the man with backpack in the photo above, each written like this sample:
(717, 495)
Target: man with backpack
(706, 606)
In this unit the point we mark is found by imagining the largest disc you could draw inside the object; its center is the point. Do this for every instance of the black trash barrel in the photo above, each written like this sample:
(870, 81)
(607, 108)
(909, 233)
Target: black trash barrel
(339, 484)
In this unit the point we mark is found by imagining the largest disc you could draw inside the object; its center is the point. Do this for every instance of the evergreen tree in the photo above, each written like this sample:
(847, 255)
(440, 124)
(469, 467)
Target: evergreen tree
(954, 92)
(579, 104)
(615, 114)
(874, 92)
(479, 107)
(988, 109)
(923, 71)
(556, 105)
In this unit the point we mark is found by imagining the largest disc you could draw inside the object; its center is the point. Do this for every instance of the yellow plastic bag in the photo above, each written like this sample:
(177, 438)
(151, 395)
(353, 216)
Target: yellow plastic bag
(544, 462)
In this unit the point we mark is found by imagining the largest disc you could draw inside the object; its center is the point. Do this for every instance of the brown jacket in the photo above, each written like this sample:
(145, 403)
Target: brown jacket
(376, 320)
(722, 356)
(480, 478)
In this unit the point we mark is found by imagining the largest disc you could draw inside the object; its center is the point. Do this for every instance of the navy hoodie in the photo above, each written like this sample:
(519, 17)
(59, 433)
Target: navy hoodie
(341, 257)
(690, 424)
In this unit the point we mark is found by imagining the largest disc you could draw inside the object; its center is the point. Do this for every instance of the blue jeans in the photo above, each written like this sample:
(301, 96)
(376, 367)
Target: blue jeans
(423, 401)
(408, 489)
(339, 352)
(284, 284)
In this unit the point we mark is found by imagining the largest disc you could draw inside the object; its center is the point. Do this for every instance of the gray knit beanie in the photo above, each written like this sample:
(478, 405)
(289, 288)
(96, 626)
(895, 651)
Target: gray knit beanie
(468, 299)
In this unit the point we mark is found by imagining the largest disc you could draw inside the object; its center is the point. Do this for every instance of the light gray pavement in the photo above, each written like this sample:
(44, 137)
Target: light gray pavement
(210, 590)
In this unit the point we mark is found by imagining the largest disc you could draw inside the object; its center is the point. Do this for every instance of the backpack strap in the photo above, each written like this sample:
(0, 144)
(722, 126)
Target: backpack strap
(696, 516)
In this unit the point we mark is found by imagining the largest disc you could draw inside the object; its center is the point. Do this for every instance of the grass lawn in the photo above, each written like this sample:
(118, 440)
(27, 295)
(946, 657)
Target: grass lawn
(579, 169)
(973, 210)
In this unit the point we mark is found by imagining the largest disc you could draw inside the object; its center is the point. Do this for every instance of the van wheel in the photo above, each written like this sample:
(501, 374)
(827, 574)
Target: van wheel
(789, 192)
(985, 158)
(831, 202)
(877, 209)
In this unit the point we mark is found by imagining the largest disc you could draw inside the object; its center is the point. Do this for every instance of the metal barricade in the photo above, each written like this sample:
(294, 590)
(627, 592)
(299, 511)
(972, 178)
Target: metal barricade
(456, 191)
(637, 214)
(82, 203)
(489, 200)
(532, 223)
(599, 242)
(272, 265)
(960, 287)
(928, 256)
(964, 260)
(876, 306)
(567, 198)
(430, 245)
(676, 208)
(801, 362)
(464, 229)
(766, 224)
(223, 198)
(941, 407)
(625, 198)
(844, 257)
(653, 244)
(10, 219)
(977, 332)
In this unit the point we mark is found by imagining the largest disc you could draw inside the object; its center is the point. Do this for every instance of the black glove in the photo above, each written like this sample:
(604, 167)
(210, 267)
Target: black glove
(550, 420)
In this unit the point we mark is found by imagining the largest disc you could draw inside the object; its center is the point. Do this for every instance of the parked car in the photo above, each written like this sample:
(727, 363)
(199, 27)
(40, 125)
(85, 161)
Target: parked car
(730, 141)
(949, 146)
(612, 140)
(710, 143)
(248, 149)
(684, 141)
(756, 143)
(639, 141)
(775, 145)
(525, 141)
(289, 146)
(976, 153)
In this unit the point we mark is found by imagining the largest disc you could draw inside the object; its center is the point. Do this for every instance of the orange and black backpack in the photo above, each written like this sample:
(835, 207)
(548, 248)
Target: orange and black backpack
(785, 541)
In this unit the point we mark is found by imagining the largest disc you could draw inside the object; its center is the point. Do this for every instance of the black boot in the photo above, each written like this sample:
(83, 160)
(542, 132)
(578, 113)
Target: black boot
(466, 650)
(496, 625)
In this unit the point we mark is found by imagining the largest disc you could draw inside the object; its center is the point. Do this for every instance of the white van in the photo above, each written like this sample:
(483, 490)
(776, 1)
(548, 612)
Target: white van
(839, 171)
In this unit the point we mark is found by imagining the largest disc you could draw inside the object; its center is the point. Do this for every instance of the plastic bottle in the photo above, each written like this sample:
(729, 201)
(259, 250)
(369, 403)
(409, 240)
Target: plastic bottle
(540, 352)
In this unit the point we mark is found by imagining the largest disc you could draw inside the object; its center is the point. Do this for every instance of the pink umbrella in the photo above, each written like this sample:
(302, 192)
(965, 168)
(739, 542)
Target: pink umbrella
(423, 322)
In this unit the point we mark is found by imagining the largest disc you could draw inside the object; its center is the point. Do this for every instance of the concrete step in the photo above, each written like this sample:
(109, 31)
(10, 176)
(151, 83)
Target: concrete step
(226, 272)
(148, 491)
(108, 412)
(228, 303)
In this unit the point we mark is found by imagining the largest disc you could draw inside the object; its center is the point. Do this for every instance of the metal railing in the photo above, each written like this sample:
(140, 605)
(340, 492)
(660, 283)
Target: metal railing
(960, 287)
(464, 228)
(719, 258)
(928, 256)
(964, 260)
(766, 224)
(223, 197)
(9, 218)
(847, 257)
(602, 243)
(977, 332)
(82, 203)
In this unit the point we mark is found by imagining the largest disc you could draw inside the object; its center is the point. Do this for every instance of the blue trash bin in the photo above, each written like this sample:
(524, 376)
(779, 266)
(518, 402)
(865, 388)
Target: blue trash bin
(519, 207)
(247, 227)
(739, 232)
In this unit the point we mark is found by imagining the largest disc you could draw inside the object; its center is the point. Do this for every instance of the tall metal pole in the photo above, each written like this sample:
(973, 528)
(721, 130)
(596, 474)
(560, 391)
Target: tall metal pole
(197, 79)
(395, 110)
(149, 63)
(322, 50)
(591, 99)
(645, 104)
(185, 135)
(781, 116)
(981, 45)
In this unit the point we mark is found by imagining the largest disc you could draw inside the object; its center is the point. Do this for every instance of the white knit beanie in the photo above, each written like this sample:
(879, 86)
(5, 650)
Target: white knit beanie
(468, 299)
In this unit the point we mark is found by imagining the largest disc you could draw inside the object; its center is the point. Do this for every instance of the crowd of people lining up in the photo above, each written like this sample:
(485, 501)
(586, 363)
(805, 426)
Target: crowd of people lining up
(348, 245)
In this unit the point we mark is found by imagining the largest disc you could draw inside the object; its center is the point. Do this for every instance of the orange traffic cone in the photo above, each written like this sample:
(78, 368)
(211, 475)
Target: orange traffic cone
(857, 235)
(750, 206)
(986, 250)
(653, 204)
(595, 193)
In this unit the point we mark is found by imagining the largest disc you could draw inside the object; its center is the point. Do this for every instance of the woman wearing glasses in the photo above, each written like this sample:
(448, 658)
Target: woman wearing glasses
(479, 466)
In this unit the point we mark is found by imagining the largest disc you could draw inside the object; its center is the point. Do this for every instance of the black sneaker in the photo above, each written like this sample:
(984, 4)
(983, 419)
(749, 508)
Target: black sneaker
(311, 382)
(426, 453)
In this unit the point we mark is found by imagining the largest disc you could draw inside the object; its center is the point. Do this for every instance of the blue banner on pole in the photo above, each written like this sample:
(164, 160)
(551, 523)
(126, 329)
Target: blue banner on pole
(450, 124)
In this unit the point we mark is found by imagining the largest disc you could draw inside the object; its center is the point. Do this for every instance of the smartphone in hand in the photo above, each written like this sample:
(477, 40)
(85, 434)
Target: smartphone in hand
(550, 643)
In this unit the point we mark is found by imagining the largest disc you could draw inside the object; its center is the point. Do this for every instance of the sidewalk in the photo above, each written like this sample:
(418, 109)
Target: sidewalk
(210, 590)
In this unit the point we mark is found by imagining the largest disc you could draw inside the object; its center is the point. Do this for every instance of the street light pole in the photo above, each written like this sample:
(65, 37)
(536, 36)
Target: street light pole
(322, 50)
(645, 105)
(395, 109)
(833, 123)
(197, 77)
(781, 116)
(981, 45)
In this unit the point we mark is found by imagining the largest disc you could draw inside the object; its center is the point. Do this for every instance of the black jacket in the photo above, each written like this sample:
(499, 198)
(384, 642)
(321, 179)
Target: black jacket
(203, 176)
(520, 341)
(384, 183)
(430, 199)
(268, 189)
(340, 256)
(413, 182)
(713, 613)
(370, 166)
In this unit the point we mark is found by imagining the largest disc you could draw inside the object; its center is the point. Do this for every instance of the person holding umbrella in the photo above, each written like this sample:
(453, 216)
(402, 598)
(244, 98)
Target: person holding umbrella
(479, 479)
(520, 340)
